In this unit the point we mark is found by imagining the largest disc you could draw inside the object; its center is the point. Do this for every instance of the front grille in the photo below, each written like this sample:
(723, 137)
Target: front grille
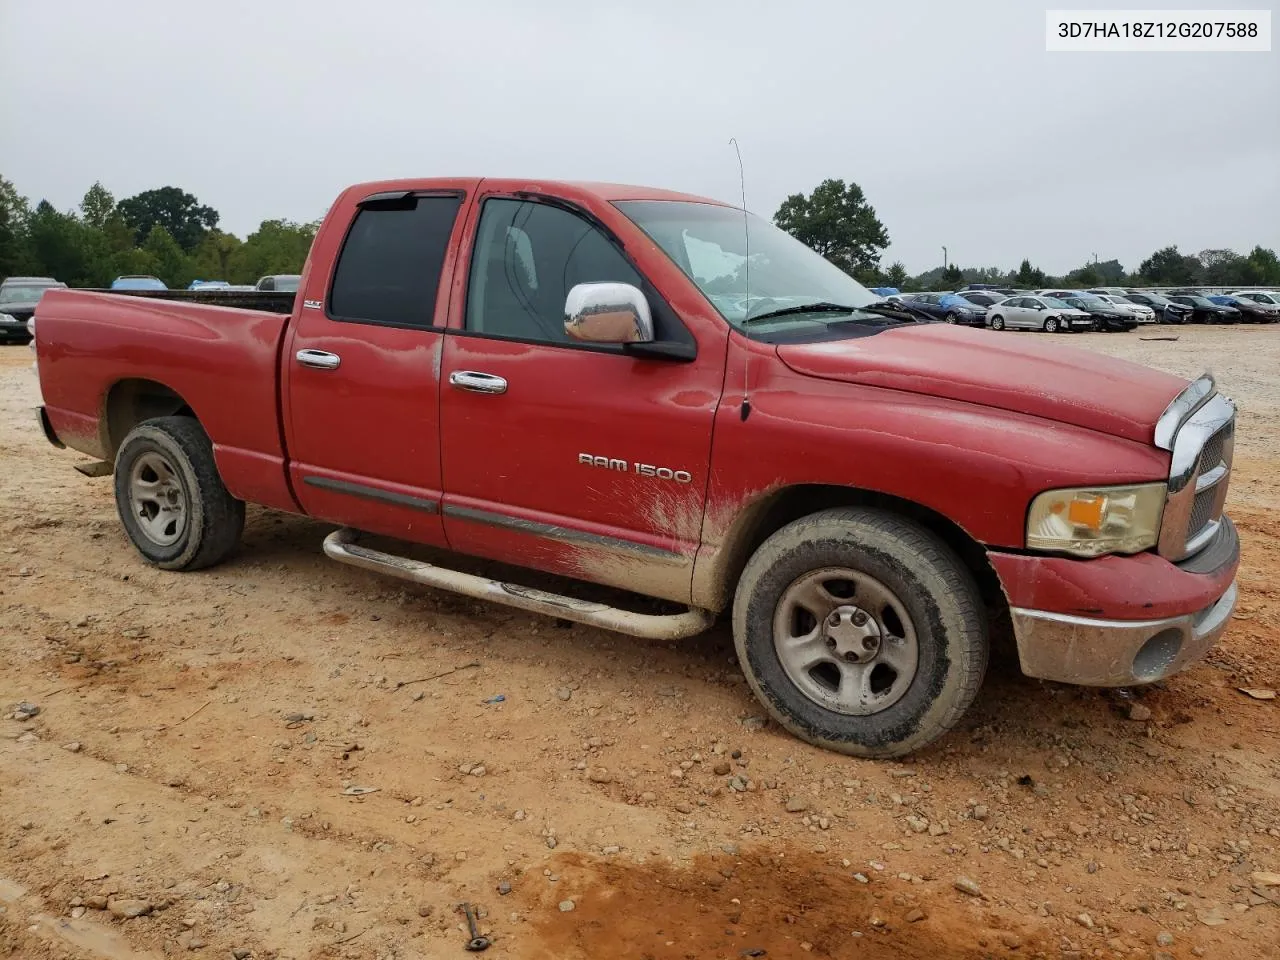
(1211, 455)
(1201, 511)
(1206, 508)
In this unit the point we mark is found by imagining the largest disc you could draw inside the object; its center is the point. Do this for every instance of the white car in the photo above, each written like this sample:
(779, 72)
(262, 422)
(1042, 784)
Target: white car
(1037, 313)
(1140, 312)
(1264, 297)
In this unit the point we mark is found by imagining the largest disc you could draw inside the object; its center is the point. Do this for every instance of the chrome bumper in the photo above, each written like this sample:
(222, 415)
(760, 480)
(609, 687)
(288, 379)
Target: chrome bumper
(1116, 653)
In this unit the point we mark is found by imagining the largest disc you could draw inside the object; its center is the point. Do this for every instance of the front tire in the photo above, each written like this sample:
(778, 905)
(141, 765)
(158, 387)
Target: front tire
(1050, 324)
(171, 500)
(997, 323)
(951, 318)
(860, 632)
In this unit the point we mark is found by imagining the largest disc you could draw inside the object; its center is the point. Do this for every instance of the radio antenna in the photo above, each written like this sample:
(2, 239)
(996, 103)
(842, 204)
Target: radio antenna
(746, 274)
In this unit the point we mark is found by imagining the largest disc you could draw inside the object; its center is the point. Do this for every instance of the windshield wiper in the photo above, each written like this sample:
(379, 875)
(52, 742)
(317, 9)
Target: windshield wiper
(894, 310)
(821, 306)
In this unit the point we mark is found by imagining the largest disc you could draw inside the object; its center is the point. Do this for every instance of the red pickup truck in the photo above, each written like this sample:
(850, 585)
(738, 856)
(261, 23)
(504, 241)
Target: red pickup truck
(661, 393)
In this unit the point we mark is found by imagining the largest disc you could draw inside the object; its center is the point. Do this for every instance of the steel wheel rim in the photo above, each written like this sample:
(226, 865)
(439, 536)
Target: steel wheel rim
(158, 499)
(846, 641)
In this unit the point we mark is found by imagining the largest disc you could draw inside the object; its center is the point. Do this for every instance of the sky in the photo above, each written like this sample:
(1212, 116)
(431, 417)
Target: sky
(950, 115)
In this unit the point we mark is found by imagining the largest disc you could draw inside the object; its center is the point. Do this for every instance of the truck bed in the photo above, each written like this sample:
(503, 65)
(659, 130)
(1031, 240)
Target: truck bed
(99, 353)
(270, 301)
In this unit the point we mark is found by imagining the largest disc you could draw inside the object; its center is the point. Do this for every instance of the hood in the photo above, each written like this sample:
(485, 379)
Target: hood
(1055, 382)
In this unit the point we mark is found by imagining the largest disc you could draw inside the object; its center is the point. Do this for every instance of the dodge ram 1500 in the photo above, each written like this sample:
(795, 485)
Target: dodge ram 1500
(598, 382)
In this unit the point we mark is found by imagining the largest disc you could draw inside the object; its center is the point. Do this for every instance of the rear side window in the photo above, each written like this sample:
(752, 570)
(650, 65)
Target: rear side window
(389, 269)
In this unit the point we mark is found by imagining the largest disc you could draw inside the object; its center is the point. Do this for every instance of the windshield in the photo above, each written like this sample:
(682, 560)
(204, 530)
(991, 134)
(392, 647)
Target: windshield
(1087, 302)
(706, 241)
(1200, 301)
(22, 292)
(1055, 303)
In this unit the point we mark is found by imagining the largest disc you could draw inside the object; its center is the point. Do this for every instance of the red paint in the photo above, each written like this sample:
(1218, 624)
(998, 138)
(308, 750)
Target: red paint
(967, 424)
(1046, 380)
(1141, 587)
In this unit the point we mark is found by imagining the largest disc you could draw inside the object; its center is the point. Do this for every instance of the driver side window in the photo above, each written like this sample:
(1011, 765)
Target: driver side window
(527, 258)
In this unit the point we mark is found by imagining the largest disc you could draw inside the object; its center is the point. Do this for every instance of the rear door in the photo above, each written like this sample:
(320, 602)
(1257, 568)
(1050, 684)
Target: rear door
(1023, 314)
(361, 370)
(572, 458)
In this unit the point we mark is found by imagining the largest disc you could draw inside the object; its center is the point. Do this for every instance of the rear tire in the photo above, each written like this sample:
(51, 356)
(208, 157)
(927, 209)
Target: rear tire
(860, 632)
(997, 323)
(171, 500)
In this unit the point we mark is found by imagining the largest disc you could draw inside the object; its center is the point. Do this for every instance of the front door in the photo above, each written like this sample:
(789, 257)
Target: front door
(362, 370)
(576, 459)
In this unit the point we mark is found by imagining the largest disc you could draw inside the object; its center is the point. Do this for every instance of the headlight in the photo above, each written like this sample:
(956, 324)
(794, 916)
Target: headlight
(8, 318)
(1091, 521)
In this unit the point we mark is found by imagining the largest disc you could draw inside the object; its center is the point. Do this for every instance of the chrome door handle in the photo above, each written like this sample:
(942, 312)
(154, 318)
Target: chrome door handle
(319, 359)
(477, 382)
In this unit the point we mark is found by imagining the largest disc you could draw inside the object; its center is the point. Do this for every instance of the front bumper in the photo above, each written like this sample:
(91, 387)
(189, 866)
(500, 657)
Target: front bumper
(1116, 653)
(1118, 621)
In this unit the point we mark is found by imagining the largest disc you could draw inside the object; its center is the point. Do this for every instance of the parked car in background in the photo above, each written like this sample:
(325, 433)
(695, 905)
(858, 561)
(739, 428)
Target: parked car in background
(138, 282)
(18, 299)
(949, 307)
(1259, 296)
(982, 298)
(884, 291)
(282, 282)
(1140, 312)
(1204, 310)
(1251, 311)
(1106, 316)
(1166, 310)
(1037, 313)
(208, 285)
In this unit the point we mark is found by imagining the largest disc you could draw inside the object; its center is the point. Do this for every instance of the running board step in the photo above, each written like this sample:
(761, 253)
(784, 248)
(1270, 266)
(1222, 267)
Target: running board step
(341, 546)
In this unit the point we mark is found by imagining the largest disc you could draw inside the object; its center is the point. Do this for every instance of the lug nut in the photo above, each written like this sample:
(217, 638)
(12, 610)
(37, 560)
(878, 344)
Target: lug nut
(859, 619)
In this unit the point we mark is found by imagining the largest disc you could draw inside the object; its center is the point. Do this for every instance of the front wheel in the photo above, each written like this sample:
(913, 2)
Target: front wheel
(950, 318)
(997, 323)
(1050, 324)
(170, 498)
(860, 632)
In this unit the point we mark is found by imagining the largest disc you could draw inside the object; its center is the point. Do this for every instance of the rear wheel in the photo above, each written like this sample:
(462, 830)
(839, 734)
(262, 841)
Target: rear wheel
(860, 632)
(997, 322)
(170, 498)
(1050, 324)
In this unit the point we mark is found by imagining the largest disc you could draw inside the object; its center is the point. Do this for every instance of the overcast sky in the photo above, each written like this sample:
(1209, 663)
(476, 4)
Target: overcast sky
(959, 126)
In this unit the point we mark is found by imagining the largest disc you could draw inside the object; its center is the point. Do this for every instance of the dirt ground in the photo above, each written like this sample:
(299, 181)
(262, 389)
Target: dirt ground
(200, 738)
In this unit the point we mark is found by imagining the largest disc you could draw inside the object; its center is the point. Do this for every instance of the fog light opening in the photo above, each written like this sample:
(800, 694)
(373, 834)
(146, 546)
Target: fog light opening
(1153, 661)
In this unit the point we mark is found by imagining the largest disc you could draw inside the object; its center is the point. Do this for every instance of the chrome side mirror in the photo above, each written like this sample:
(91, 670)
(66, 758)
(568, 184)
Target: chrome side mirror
(607, 313)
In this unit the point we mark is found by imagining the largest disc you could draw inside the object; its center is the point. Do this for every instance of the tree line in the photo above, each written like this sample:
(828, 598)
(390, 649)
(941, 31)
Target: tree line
(165, 232)
(837, 221)
(168, 233)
